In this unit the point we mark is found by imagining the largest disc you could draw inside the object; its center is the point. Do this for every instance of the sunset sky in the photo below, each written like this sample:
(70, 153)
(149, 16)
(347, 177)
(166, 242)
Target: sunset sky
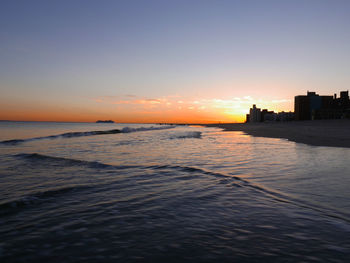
(168, 61)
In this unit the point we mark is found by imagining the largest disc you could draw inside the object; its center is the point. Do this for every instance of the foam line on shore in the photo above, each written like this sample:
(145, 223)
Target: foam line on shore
(87, 133)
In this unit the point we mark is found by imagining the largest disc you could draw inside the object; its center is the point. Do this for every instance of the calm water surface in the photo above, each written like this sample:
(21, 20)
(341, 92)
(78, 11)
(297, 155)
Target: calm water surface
(156, 193)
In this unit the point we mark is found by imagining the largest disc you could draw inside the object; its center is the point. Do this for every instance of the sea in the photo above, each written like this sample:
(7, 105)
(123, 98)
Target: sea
(98, 192)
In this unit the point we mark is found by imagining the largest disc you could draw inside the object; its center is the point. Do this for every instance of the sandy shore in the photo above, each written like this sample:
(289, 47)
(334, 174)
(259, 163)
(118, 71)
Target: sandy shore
(334, 133)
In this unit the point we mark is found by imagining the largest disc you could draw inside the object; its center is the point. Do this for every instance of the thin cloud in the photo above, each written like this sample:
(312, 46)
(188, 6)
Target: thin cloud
(234, 105)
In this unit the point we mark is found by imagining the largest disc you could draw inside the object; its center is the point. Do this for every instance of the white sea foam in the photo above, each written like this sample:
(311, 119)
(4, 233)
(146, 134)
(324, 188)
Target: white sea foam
(129, 129)
(87, 133)
(185, 135)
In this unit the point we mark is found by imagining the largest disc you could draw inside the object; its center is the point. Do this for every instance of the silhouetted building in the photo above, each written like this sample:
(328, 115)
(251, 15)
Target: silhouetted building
(306, 107)
(257, 115)
(254, 114)
(285, 116)
(270, 116)
(316, 107)
(264, 114)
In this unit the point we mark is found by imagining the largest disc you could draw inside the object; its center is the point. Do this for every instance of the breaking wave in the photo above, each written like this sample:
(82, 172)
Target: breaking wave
(63, 135)
(185, 135)
(87, 133)
(152, 128)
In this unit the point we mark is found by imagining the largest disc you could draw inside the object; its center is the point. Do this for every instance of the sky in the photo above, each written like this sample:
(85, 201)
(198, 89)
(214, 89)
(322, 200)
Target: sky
(190, 61)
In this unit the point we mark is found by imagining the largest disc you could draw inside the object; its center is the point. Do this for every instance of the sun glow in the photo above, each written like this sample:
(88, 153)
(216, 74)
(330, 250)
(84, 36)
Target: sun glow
(135, 109)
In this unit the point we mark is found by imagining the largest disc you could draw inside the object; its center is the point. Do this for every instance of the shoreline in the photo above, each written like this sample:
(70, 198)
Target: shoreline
(331, 133)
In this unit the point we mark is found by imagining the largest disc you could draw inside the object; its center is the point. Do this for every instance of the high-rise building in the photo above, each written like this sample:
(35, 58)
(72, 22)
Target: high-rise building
(254, 114)
(313, 106)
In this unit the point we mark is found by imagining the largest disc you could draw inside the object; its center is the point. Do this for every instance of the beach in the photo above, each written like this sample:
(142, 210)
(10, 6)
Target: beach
(334, 133)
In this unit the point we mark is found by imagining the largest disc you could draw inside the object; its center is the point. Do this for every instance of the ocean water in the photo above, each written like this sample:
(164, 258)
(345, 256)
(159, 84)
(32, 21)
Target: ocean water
(82, 192)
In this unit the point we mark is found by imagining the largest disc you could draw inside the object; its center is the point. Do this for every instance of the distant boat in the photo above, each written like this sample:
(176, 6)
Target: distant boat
(107, 121)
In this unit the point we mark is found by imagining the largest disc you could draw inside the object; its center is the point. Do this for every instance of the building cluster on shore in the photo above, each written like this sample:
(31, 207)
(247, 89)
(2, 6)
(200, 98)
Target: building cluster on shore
(316, 107)
(307, 107)
(258, 115)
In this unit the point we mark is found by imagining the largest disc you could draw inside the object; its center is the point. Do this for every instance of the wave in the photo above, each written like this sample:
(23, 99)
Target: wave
(87, 133)
(64, 162)
(38, 197)
(273, 194)
(152, 128)
(63, 135)
(15, 141)
(232, 180)
(191, 134)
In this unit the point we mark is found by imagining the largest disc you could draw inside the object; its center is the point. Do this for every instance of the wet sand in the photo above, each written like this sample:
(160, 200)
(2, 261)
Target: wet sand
(335, 133)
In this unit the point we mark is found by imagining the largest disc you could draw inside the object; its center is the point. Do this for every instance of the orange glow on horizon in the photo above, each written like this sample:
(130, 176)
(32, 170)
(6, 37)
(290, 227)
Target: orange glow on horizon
(179, 118)
(144, 110)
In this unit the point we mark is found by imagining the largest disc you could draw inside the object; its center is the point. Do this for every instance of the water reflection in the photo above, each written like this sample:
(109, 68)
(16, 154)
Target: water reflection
(156, 196)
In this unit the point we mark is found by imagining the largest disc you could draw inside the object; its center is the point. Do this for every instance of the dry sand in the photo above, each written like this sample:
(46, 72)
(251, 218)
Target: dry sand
(334, 133)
